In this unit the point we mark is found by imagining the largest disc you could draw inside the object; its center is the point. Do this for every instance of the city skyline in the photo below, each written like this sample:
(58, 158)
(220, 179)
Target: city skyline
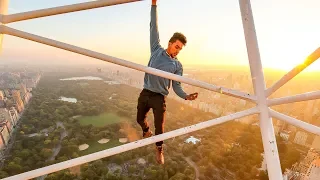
(213, 40)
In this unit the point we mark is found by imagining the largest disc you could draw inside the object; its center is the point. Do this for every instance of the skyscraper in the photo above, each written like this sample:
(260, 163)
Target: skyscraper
(1, 95)
(17, 99)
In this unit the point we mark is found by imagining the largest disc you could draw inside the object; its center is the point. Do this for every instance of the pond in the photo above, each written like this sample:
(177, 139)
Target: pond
(72, 100)
(81, 78)
(112, 82)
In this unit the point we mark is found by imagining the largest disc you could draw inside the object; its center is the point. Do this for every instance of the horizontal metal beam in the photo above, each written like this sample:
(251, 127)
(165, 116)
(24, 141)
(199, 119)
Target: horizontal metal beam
(306, 126)
(129, 146)
(310, 59)
(157, 72)
(61, 10)
(296, 98)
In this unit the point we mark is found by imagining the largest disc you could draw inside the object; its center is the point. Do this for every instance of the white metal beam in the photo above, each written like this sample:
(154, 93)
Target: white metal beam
(296, 98)
(266, 126)
(3, 12)
(62, 9)
(129, 146)
(310, 59)
(86, 52)
(306, 126)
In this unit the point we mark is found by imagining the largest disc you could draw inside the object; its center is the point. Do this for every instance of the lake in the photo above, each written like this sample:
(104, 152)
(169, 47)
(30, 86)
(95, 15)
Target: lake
(81, 78)
(72, 100)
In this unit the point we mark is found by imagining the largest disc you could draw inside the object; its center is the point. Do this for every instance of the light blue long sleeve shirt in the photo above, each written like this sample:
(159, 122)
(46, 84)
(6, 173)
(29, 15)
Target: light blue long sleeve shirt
(161, 60)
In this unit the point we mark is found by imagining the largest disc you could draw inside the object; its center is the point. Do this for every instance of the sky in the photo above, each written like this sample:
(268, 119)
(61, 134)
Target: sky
(287, 32)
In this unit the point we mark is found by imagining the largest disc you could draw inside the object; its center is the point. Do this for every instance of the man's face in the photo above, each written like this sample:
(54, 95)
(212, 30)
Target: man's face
(174, 48)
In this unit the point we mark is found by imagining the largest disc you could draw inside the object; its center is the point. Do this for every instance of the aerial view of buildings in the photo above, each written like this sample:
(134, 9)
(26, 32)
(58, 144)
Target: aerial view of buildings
(15, 94)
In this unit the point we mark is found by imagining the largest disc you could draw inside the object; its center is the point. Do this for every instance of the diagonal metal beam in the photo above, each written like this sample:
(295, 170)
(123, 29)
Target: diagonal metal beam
(61, 10)
(306, 126)
(157, 72)
(129, 146)
(310, 59)
(296, 98)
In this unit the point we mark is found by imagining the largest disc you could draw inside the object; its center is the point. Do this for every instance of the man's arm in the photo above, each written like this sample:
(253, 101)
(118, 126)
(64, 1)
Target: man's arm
(154, 33)
(178, 89)
(177, 86)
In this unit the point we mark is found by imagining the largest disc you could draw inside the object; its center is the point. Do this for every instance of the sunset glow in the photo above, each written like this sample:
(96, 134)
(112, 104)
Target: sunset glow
(214, 32)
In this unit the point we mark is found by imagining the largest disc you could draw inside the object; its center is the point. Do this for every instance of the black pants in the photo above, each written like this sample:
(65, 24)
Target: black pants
(157, 102)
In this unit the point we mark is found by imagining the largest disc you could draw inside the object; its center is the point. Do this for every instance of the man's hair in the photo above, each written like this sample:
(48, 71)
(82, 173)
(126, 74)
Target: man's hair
(178, 36)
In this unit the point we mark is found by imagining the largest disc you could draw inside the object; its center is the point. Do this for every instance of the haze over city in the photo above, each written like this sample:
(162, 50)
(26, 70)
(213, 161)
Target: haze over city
(286, 30)
(58, 106)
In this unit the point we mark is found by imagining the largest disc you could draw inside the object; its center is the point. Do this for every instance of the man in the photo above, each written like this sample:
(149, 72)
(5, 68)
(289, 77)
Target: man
(156, 88)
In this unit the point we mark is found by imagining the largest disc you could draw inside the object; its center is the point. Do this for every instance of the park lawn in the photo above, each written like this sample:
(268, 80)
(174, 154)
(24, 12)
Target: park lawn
(100, 120)
(94, 146)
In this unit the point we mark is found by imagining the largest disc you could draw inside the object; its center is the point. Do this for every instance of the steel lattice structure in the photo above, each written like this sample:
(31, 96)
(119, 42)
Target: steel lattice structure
(260, 97)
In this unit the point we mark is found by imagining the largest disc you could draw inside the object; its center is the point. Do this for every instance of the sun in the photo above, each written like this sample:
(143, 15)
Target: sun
(287, 65)
(287, 59)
